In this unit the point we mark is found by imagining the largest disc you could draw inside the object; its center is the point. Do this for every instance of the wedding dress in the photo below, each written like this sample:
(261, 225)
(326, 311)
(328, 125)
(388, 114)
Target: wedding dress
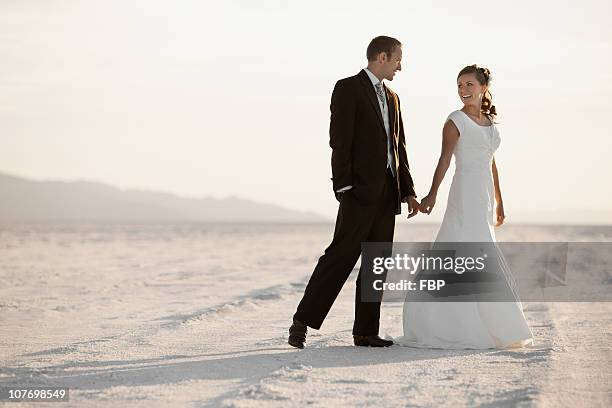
(469, 217)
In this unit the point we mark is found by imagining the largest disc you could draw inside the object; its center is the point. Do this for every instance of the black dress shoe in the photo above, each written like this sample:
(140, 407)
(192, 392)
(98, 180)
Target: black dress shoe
(371, 341)
(297, 334)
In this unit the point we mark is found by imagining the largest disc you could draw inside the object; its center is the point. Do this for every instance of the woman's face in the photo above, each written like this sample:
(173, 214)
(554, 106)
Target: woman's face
(470, 91)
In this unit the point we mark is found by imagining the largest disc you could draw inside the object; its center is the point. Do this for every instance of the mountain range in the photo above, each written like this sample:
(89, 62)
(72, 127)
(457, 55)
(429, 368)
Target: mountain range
(24, 200)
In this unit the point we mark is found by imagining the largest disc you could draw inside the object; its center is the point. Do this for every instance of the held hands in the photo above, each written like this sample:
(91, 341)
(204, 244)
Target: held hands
(500, 215)
(428, 203)
(413, 206)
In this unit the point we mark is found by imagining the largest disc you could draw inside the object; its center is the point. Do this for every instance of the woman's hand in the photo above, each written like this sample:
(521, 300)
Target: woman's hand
(427, 203)
(500, 215)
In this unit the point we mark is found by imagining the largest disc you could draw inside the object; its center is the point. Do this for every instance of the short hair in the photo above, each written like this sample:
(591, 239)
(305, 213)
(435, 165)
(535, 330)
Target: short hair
(380, 44)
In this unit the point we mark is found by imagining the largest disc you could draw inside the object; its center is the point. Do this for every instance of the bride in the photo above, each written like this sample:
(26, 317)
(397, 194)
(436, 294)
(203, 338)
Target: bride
(471, 136)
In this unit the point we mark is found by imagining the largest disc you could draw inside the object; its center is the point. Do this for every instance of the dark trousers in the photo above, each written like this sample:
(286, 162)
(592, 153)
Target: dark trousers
(356, 223)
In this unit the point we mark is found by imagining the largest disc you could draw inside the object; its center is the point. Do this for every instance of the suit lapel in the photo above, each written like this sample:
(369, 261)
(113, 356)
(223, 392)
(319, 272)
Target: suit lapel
(371, 94)
(393, 121)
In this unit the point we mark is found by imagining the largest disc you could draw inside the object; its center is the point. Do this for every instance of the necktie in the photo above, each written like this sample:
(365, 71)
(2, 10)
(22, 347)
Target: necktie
(390, 153)
(380, 93)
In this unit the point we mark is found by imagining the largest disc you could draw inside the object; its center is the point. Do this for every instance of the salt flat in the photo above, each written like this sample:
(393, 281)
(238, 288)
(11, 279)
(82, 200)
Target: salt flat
(197, 315)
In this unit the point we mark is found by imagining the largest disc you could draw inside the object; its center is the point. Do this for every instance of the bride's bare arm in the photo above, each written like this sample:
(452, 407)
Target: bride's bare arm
(450, 136)
(498, 196)
(500, 216)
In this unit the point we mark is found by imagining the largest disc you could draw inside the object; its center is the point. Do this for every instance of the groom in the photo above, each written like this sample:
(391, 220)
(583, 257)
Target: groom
(371, 179)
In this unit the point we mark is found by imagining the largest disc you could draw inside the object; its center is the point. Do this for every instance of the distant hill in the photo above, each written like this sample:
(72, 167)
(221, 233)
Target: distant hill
(563, 217)
(28, 200)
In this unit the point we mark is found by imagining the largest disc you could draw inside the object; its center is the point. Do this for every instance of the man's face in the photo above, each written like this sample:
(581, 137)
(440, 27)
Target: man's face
(392, 64)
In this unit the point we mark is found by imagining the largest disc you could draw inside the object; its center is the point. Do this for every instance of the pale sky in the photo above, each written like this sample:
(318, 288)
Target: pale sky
(232, 98)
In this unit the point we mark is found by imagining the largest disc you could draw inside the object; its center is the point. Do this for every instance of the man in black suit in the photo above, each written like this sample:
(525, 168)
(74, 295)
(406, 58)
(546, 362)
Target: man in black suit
(371, 178)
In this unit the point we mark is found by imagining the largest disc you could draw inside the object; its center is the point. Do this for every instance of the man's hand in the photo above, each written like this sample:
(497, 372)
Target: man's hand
(427, 203)
(413, 206)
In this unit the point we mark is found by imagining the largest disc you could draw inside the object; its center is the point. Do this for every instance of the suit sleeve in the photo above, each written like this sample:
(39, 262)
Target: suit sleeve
(341, 134)
(406, 183)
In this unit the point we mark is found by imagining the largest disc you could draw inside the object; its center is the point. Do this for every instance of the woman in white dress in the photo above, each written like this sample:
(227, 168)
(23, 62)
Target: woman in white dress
(471, 136)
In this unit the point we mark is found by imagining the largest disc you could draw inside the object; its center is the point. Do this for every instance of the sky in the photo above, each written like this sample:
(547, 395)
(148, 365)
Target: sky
(232, 98)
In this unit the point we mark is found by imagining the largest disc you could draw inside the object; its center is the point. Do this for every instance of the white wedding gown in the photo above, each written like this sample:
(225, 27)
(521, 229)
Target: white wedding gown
(469, 217)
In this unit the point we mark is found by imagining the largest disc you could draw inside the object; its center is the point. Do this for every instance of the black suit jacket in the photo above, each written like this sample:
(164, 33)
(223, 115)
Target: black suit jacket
(358, 140)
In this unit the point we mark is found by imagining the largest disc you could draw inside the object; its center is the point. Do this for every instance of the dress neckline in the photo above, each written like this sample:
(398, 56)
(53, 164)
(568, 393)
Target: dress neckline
(476, 123)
